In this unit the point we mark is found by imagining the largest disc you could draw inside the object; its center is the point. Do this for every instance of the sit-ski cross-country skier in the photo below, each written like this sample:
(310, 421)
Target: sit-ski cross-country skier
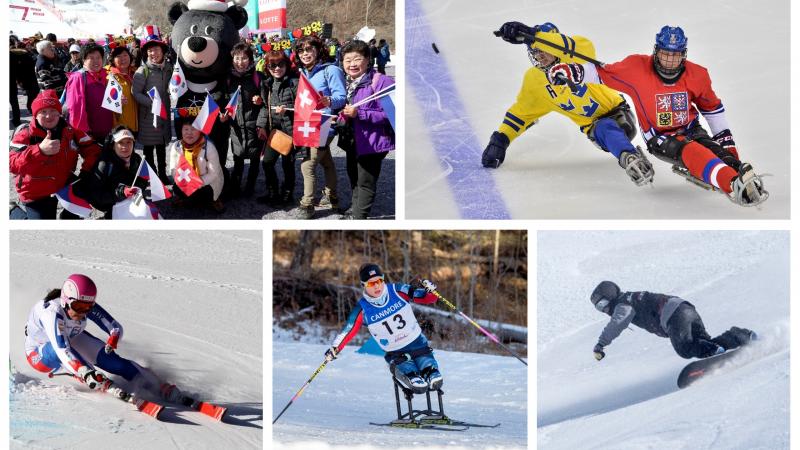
(56, 338)
(386, 310)
(663, 315)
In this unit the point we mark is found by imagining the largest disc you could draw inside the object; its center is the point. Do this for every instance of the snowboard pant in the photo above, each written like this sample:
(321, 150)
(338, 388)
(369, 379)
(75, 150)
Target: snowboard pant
(690, 339)
(90, 350)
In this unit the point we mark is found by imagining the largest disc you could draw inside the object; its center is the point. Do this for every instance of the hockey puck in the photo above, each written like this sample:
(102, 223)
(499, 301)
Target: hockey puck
(435, 48)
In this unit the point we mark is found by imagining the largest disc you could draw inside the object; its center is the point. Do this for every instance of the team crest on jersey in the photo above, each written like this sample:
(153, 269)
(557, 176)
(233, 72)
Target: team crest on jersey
(672, 109)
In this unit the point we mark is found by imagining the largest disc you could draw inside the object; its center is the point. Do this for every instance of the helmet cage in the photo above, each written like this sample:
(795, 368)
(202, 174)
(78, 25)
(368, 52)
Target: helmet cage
(669, 72)
(533, 52)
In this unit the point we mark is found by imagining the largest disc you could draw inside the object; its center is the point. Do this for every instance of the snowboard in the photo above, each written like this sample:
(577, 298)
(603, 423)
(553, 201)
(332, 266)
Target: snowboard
(702, 367)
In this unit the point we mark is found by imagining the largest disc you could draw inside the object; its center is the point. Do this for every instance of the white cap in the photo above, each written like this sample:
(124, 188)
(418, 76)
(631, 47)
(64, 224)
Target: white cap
(123, 134)
(75, 48)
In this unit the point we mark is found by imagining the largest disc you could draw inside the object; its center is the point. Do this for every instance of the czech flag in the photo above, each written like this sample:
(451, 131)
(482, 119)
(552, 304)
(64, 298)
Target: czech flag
(208, 114)
(157, 189)
(233, 105)
(158, 108)
(387, 103)
(73, 203)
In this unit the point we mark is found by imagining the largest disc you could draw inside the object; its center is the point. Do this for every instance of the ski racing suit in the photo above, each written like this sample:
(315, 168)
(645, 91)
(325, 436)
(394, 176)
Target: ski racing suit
(53, 340)
(669, 118)
(670, 317)
(393, 325)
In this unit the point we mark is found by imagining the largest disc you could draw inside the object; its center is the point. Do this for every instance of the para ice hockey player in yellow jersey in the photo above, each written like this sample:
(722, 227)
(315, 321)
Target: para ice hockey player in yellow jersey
(600, 112)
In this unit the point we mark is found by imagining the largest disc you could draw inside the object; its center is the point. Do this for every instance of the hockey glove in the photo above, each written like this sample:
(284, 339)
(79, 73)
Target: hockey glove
(513, 32)
(113, 340)
(331, 354)
(565, 74)
(598, 352)
(495, 152)
(89, 376)
(725, 140)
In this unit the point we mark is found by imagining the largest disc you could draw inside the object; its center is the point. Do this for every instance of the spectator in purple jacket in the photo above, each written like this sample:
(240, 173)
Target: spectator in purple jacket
(372, 135)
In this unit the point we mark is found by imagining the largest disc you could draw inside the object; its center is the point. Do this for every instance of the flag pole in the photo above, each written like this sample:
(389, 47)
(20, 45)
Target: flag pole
(138, 171)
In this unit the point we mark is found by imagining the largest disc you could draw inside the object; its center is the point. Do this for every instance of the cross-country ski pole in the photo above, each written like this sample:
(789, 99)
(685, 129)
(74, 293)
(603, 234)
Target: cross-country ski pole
(483, 330)
(316, 372)
(564, 50)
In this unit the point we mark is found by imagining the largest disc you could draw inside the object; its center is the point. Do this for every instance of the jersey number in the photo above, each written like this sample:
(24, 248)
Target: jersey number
(396, 318)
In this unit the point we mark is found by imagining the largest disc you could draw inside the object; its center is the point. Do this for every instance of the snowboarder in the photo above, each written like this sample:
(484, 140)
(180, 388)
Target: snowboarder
(56, 338)
(386, 309)
(664, 316)
(600, 112)
(668, 91)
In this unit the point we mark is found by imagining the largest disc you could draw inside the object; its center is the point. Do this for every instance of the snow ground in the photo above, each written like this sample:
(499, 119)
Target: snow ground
(190, 303)
(630, 399)
(457, 98)
(355, 389)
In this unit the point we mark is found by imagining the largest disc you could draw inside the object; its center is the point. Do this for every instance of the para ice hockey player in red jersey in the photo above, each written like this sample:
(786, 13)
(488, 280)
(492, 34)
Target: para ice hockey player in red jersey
(670, 92)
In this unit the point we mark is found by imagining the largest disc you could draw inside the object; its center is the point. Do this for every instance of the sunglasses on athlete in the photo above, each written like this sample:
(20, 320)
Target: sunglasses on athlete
(372, 283)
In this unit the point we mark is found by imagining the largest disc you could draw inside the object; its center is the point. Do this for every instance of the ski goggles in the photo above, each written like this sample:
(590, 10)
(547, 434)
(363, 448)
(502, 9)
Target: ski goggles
(80, 306)
(602, 305)
(372, 283)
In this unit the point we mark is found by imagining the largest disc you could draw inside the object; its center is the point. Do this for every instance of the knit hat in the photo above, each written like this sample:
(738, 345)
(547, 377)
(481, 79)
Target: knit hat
(46, 99)
(368, 271)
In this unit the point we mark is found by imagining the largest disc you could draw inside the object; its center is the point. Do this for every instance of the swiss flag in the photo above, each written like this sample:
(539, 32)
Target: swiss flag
(311, 132)
(306, 101)
(185, 178)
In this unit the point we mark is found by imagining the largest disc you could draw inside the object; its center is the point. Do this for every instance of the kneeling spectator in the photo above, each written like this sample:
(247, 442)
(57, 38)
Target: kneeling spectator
(195, 167)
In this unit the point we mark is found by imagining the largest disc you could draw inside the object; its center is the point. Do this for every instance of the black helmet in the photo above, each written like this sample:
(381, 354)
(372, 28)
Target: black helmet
(607, 290)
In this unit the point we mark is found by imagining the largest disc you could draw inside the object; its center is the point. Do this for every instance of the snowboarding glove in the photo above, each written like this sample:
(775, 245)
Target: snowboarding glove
(495, 152)
(598, 352)
(89, 376)
(331, 354)
(513, 32)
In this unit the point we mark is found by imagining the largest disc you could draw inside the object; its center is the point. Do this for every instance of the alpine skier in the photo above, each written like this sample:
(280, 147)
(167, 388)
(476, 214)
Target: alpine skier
(600, 112)
(668, 91)
(663, 315)
(386, 310)
(56, 337)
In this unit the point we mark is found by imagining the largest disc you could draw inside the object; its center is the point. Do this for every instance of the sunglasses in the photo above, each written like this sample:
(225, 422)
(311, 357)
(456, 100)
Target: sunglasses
(305, 49)
(273, 66)
(373, 283)
(80, 306)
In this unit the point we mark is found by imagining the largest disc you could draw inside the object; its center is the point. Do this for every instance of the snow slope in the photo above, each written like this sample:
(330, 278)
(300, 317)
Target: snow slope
(190, 303)
(630, 399)
(355, 389)
(457, 98)
(79, 18)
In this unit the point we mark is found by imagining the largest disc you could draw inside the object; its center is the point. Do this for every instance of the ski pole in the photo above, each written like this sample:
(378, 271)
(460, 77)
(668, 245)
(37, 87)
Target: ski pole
(483, 330)
(565, 50)
(316, 372)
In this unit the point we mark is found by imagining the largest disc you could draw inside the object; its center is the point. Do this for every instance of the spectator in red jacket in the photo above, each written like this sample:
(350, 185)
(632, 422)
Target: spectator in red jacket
(44, 155)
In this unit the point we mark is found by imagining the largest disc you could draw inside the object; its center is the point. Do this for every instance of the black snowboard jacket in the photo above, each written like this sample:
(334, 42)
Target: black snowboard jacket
(646, 310)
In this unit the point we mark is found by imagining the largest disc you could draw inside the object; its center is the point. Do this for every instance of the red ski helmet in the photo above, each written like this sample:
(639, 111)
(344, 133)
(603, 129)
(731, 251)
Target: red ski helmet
(78, 287)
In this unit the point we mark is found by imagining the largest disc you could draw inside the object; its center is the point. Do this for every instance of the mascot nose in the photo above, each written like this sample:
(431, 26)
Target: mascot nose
(197, 44)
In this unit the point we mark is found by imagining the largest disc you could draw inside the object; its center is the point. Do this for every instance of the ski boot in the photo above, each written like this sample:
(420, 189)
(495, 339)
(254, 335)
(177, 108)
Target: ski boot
(412, 381)
(171, 393)
(747, 187)
(637, 166)
(434, 378)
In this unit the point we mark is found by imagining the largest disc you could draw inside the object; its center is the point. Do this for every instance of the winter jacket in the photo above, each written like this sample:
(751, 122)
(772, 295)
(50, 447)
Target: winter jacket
(328, 80)
(644, 309)
(84, 99)
(39, 175)
(129, 116)
(50, 75)
(383, 55)
(23, 69)
(208, 165)
(278, 93)
(244, 140)
(372, 130)
(146, 77)
(103, 185)
(73, 67)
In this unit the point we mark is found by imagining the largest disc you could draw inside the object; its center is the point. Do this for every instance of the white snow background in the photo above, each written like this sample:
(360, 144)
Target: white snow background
(553, 170)
(630, 399)
(190, 303)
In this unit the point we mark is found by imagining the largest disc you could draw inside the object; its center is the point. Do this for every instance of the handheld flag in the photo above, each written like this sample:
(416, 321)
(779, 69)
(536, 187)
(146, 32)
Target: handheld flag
(387, 103)
(233, 105)
(306, 101)
(157, 108)
(157, 189)
(177, 84)
(311, 132)
(112, 99)
(185, 177)
(208, 114)
(73, 203)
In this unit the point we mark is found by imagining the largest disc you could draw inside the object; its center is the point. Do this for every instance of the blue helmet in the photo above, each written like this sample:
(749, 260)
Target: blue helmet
(546, 27)
(671, 39)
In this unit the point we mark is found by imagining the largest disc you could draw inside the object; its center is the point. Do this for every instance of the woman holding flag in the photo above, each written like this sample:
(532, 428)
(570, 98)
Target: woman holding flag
(244, 89)
(367, 123)
(86, 93)
(150, 88)
(195, 167)
(122, 70)
(328, 80)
